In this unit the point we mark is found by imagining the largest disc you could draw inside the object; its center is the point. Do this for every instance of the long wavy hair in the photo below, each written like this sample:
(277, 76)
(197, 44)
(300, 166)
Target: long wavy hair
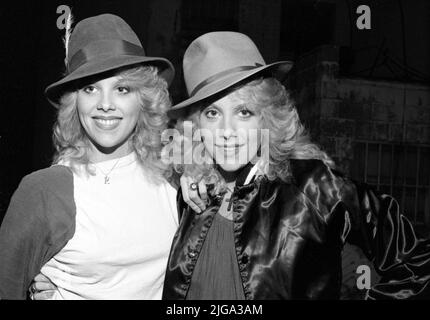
(288, 138)
(72, 143)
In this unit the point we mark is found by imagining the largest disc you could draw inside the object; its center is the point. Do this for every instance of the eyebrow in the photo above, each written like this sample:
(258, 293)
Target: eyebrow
(236, 107)
(240, 106)
(116, 83)
(122, 82)
(213, 105)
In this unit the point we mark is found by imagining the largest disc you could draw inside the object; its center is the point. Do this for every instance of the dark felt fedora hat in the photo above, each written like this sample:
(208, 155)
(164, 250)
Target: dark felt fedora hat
(216, 61)
(100, 44)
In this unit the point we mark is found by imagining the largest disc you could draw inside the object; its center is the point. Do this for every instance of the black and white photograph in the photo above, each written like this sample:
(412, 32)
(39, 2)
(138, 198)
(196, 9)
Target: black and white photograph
(232, 151)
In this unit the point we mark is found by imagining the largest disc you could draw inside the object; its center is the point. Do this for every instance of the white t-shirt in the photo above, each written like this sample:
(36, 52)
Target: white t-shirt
(124, 231)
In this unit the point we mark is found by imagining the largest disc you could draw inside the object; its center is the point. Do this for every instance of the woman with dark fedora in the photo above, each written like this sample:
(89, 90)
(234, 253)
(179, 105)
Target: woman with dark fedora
(99, 222)
(277, 212)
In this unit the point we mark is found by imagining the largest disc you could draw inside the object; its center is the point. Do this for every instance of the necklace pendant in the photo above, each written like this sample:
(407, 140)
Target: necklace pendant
(107, 180)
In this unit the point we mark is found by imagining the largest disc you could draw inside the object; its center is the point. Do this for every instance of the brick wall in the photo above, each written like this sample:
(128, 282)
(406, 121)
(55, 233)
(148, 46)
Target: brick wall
(339, 110)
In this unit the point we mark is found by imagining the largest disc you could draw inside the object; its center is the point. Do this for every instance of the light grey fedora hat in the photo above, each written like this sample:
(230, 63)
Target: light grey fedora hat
(217, 61)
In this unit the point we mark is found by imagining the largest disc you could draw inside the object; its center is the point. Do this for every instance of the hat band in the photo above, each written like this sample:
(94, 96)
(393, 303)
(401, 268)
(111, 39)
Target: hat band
(99, 48)
(221, 74)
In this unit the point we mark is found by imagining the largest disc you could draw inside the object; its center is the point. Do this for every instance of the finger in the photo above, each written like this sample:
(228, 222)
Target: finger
(41, 278)
(203, 191)
(192, 203)
(185, 193)
(43, 295)
(32, 289)
(194, 197)
(184, 189)
(42, 286)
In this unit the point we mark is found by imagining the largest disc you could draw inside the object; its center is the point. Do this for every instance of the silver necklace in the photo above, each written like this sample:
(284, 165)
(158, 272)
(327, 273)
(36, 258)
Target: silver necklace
(107, 178)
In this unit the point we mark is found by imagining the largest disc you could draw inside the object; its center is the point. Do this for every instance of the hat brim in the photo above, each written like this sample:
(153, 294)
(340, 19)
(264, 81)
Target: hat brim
(278, 69)
(54, 91)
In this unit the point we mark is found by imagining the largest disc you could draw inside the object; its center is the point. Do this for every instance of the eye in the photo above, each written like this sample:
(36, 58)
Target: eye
(211, 113)
(123, 89)
(245, 113)
(89, 89)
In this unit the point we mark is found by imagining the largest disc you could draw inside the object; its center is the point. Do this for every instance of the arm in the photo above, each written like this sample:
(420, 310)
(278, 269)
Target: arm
(360, 216)
(388, 239)
(23, 239)
(38, 223)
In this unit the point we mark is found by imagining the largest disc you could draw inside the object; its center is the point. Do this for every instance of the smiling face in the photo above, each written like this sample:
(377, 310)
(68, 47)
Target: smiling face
(108, 110)
(230, 132)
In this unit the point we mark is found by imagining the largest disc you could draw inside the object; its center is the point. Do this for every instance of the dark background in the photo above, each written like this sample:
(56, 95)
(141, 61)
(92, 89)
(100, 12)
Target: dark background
(337, 65)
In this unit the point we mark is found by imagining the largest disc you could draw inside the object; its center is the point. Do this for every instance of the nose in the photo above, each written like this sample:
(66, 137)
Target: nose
(229, 128)
(105, 102)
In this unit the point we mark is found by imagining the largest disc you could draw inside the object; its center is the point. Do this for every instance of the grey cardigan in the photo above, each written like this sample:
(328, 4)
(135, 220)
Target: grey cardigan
(39, 222)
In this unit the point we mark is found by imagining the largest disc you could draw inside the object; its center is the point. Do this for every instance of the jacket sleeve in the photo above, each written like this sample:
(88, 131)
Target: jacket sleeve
(375, 223)
(24, 237)
(39, 222)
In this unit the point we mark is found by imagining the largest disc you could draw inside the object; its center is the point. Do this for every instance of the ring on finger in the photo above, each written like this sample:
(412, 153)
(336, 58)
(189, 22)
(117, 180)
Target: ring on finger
(33, 289)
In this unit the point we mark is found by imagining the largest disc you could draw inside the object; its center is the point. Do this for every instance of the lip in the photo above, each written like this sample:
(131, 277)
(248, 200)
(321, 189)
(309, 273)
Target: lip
(229, 150)
(107, 117)
(234, 146)
(107, 122)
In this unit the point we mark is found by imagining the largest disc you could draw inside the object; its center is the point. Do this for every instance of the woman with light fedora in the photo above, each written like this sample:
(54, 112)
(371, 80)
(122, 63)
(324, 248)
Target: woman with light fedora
(99, 222)
(277, 212)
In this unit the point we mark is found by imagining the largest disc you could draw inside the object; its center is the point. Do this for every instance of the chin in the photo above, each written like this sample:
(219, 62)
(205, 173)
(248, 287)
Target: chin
(231, 167)
(109, 143)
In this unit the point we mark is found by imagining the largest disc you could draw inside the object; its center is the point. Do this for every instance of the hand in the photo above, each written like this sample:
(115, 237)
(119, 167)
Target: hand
(196, 199)
(41, 288)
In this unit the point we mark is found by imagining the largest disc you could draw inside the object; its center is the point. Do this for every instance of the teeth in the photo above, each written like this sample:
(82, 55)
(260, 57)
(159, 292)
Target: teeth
(109, 122)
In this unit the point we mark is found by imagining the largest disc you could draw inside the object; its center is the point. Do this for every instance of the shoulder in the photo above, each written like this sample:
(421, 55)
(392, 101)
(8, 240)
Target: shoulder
(316, 170)
(46, 187)
(44, 199)
(302, 170)
(309, 176)
(323, 186)
(57, 178)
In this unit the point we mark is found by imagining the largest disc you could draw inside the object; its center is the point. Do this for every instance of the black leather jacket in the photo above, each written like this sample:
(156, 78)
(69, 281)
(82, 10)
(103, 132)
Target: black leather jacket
(289, 238)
